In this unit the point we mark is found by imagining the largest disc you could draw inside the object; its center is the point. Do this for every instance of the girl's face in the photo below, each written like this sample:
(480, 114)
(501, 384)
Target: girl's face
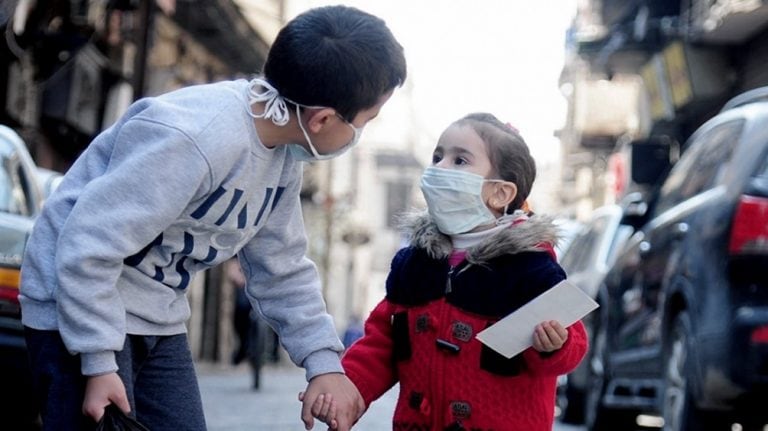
(461, 148)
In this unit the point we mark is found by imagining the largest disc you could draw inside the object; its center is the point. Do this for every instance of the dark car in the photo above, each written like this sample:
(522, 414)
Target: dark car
(591, 253)
(683, 327)
(20, 201)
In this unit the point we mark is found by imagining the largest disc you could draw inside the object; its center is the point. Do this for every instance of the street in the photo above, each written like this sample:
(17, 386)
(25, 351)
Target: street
(231, 405)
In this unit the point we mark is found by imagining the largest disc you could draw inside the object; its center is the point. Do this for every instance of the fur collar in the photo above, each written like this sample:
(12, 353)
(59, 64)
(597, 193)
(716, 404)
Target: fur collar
(534, 234)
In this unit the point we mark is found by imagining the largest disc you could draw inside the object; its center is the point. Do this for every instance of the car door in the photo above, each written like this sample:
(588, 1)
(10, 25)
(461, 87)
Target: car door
(594, 248)
(658, 249)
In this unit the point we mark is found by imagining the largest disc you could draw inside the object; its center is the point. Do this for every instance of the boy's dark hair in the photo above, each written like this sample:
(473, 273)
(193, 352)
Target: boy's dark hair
(508, 152)
(335, 56)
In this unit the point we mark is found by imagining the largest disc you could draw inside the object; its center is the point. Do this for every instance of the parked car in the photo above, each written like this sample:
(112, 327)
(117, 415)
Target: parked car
(20, 201)
(683, 327)
(567, 229)
(48, 180)
(586, 261)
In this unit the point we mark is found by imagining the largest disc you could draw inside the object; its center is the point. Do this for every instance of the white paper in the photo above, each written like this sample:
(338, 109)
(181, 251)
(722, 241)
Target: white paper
(564, 302)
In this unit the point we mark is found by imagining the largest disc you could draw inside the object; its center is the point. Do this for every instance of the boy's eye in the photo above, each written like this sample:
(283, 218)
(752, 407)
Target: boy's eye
(436, 158)
(460, 161)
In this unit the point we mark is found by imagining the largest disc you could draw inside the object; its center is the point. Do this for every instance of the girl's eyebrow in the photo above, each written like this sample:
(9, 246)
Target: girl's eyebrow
(461, 151)
(453, 150)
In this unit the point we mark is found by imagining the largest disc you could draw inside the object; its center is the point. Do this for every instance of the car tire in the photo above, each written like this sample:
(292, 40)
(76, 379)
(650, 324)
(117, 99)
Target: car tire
(573, 412)
(598, 417)
(678, 404)
(574, 390)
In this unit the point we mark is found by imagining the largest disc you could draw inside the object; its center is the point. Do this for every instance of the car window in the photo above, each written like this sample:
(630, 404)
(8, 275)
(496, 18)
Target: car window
(576, 255)
(582, 251)
(622, 234)
(763, 172)
(13, 188)
(702, 165)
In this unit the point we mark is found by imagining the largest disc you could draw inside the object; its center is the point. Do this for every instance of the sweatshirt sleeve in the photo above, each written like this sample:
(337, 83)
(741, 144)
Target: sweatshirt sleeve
(151, 172)
(286, 286)
(561, 361)
(368, 362)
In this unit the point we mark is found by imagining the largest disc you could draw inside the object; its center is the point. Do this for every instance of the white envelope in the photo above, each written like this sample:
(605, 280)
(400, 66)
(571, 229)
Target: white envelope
(564, 302)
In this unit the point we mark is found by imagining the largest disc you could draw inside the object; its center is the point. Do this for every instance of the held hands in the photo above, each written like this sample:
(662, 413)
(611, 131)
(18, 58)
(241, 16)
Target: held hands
(549, 336)
(333, 399)
(102, 390)
(324, 409)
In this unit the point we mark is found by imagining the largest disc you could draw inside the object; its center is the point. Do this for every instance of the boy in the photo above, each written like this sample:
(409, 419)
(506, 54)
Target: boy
(181, 183)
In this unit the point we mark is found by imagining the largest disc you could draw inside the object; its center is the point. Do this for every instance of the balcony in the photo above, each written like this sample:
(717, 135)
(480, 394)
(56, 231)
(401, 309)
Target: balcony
(725, 22)
(221, 27)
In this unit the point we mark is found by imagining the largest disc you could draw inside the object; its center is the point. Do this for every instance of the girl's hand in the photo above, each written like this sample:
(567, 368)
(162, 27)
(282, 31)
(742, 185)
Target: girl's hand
(549, 336)
(323, 409)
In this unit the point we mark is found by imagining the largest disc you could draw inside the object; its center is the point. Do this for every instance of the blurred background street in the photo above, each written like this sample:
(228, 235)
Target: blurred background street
(231, 405)
(646, 119)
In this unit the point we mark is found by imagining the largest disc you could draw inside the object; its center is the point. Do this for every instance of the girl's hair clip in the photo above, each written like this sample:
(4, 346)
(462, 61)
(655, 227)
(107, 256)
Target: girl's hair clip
(511, 127)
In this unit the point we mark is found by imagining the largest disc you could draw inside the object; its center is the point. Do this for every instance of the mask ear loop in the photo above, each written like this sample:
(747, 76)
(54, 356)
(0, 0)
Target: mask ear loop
(275, 108)
(506, 207)
(317, 155)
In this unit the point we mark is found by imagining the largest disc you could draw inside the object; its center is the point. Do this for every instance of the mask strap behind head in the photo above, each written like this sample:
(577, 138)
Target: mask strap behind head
(275, 108)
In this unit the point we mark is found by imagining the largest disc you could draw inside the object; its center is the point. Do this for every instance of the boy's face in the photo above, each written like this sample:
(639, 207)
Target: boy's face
(338, 133)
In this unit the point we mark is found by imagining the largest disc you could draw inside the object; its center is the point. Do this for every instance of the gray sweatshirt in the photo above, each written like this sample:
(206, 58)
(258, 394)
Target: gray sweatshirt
(179, 184)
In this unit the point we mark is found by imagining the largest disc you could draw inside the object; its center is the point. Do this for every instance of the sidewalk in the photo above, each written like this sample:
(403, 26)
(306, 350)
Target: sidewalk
(231, 405)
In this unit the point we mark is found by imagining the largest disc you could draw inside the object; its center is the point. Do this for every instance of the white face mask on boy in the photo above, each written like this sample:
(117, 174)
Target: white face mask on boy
(276, 109)
(455, 199)
(301, 153)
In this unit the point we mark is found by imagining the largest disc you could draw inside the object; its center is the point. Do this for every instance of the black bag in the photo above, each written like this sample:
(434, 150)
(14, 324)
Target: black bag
(115, 419)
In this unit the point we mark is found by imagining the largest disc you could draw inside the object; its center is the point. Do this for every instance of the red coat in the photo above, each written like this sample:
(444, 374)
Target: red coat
(422, 336)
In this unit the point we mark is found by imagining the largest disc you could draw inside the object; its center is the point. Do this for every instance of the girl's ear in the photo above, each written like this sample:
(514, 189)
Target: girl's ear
(504, 194)
(317, 119)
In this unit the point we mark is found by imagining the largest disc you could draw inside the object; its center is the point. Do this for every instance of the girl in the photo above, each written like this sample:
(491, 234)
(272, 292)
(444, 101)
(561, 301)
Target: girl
(474, 258)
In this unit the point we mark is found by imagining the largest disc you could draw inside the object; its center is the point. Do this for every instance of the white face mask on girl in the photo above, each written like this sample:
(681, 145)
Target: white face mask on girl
(454, 199)
(276, 109)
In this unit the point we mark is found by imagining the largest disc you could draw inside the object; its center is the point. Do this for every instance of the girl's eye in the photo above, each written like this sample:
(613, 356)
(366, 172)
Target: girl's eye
(460, 161)
(436, 158)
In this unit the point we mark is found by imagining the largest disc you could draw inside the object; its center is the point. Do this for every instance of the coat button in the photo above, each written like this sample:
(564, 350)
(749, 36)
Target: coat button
(422, 323)
(447, 346)
(460, 409)
(462, 331)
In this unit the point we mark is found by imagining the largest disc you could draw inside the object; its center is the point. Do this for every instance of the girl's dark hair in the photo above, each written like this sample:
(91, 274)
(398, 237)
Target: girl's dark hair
(335, 56)
(508, 152)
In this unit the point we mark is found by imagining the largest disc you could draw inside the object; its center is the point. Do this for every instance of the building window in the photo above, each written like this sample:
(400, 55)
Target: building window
(398, 197)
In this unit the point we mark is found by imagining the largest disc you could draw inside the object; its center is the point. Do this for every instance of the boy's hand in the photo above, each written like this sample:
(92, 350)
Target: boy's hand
(102, 390)
(549, 336)
(342, 402)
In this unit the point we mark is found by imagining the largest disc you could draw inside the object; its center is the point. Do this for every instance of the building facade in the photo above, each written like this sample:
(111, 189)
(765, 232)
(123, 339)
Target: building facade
(649, 72)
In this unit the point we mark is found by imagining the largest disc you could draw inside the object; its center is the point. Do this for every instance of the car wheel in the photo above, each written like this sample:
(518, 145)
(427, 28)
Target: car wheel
(678, 407)
(573, 411)
(574, 389)
(598, 417)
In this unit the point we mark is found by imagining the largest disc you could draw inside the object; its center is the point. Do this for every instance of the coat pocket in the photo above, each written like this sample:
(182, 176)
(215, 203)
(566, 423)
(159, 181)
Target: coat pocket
(495, 363)
(401, 337)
